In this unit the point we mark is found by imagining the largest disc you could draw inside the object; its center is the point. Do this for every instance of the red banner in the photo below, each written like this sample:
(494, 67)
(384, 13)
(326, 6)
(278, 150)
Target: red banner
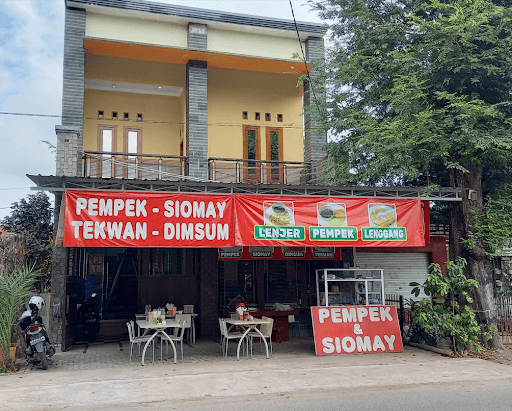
(130, 219)
(135, 219)
(315, 221)
(356, 329)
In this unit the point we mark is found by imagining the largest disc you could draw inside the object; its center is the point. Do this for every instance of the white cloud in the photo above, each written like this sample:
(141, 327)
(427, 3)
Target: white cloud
(31, 54)
(31, 46)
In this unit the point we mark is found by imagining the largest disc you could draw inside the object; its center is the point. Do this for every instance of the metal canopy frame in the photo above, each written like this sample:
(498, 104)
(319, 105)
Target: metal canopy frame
(59, 184)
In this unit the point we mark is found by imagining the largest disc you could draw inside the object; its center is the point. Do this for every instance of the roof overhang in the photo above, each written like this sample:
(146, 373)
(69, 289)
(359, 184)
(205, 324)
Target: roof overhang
(213, 18)
(163, 54)
(60, 184)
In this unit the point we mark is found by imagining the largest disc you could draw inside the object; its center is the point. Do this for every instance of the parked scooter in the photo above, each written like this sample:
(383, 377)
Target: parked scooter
(89, 319)
(39, 348)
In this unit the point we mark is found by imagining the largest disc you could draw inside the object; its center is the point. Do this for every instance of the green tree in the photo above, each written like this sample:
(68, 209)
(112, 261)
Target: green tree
(445, 313)
(419, 93)
(14, 287)
(33, 217)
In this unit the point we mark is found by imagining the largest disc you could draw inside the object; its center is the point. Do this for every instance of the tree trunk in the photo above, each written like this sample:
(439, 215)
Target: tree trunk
(478, 266)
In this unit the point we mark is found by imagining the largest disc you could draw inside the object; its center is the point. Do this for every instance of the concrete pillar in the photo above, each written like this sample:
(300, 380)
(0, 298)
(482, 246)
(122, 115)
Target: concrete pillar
(68, 161)
(197, 36)
(197, 118)
(208, 293)
(57, 311)
(314, 139)
(73, 81)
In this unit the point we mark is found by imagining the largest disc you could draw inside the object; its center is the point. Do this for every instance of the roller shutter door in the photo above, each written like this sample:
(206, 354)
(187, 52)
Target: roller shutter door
(400, 269)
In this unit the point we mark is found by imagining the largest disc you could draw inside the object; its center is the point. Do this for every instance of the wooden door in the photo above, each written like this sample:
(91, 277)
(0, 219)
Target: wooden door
(107, 142)
(132, 144)
(274, 143)
(252, 151)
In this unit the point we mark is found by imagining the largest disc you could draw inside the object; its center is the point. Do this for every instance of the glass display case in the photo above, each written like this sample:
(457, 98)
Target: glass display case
(349, 286)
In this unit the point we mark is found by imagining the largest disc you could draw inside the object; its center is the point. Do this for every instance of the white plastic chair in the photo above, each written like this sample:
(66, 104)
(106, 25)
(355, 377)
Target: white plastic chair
(266, 330)
(137, 339)
(184, 320)
(188, 327)
(292, 321)
(226, 336)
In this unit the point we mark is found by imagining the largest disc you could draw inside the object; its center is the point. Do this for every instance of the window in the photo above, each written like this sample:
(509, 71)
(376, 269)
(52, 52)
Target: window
(107, 142)
(165, 261)
(100, 114)
(139, 117)
(126, 117)
(257, 116)
(267, 116)
(114, 115)
(244, 115)
(252, 151)
(280, 118)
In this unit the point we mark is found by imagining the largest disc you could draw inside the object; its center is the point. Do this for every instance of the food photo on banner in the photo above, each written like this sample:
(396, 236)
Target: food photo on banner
(356, 329)
(317, 221)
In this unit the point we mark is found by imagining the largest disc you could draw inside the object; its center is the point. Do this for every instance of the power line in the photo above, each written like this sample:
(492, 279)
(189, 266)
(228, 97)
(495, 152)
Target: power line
(16, 188)
(179, 123)
(307, 69)
(29, 114)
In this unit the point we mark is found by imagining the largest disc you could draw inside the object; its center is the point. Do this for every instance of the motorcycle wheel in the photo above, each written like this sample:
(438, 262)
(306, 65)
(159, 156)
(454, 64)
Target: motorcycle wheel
(44, 361)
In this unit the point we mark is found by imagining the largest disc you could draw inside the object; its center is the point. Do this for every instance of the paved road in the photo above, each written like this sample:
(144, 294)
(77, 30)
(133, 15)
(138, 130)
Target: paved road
(414, 379)
(466, 396)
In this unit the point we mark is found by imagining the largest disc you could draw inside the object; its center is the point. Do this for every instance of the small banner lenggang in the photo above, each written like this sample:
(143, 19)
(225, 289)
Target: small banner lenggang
(135, 219)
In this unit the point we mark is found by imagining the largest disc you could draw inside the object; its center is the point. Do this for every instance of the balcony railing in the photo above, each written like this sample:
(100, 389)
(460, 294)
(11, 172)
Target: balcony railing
(229, 170)
(103, 164)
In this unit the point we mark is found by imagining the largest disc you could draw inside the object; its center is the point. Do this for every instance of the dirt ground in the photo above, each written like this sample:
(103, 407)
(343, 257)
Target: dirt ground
(501, 356)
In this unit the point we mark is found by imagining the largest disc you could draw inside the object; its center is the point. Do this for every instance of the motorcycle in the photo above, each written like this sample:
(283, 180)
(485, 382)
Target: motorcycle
(89, 319)
(39, 348)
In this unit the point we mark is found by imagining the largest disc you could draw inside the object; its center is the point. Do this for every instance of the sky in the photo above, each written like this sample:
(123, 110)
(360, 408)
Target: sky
(31, 50)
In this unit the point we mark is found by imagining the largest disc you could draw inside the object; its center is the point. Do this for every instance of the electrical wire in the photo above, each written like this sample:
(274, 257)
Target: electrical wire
(29, 114)
(307, 69)
(286, 126)
(15, 188)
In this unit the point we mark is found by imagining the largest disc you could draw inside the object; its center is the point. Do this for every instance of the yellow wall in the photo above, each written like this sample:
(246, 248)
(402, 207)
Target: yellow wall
(135, 30)
(251, 44)
(133, 71)
(163, 125)
(230, 92)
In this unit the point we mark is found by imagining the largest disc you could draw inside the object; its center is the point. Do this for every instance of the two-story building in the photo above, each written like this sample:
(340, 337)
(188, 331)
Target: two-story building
(186, 169)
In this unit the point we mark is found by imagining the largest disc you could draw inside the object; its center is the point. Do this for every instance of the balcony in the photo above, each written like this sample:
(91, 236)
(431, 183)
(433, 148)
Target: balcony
(102, 164)
(229, 170)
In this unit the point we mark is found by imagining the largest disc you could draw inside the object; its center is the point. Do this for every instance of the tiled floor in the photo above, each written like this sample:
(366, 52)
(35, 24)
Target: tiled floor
(116, 354)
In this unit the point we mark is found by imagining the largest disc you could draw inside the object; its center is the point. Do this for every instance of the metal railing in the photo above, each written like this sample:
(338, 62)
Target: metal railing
(105, 164)
(230, 170)
(402, 308)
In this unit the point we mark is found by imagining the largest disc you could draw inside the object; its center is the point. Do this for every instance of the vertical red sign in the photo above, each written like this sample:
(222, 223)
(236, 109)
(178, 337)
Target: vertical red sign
(356, 329)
